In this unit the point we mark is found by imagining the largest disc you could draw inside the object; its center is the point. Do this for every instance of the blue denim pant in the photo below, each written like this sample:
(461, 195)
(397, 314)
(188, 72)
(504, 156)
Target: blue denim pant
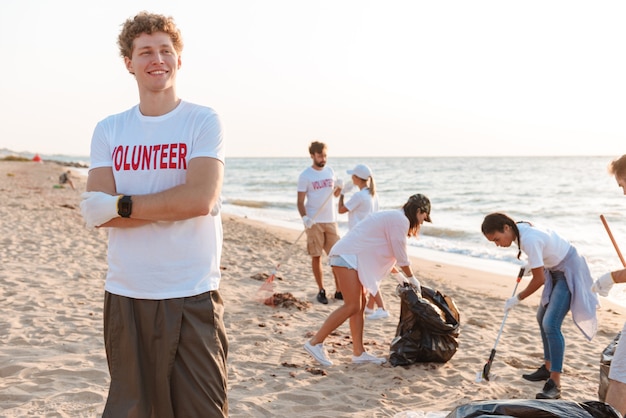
(551, 318)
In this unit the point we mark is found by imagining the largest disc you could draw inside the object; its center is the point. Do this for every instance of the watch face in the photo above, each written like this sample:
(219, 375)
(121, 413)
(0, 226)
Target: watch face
(124, 206)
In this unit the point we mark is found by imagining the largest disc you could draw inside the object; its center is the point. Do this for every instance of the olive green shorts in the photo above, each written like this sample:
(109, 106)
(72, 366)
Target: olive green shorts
(167, 358)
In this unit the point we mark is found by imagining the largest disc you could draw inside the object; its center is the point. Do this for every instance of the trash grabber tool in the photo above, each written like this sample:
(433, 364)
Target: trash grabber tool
(266, 290)
(487, 367)
(608, 230)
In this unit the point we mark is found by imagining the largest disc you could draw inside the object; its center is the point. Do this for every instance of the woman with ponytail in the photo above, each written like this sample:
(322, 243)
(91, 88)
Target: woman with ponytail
(358, 206)
(556, 265)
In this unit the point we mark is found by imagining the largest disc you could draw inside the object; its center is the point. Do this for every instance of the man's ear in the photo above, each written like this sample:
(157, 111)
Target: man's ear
(129, 65)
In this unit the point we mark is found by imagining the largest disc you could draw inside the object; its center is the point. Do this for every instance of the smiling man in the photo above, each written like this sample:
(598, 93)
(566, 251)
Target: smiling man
(154, 182)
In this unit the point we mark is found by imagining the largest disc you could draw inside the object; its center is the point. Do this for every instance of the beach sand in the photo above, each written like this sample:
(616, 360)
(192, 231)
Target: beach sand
(52, 360)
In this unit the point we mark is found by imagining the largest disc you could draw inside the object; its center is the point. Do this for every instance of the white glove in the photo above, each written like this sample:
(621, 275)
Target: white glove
(339, 183)
(346, 189)
(399, 277)
(308, 222)
(511, 303)
(218, 206)
(98, 208)
(416, 285)
(603, 285)
(527, 270)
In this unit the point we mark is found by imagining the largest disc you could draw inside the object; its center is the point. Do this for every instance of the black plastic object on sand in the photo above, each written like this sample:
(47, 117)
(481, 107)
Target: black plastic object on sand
(605, 366)
(534, 408)
(427, 330)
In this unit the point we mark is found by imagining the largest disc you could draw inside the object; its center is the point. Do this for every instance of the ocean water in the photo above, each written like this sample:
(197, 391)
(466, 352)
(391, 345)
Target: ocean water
(567, 194)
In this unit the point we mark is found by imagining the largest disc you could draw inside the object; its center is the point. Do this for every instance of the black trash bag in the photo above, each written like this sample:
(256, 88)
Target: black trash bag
(534, 408)
(427, 330)
(605, 365)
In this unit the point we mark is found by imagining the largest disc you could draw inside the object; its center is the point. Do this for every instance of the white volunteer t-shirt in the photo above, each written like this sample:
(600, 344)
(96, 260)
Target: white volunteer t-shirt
(360, 205)
(160, 260)
(319, 185)
(542, 246)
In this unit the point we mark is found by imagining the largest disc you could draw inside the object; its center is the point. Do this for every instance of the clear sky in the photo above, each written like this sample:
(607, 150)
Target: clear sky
(369, 78)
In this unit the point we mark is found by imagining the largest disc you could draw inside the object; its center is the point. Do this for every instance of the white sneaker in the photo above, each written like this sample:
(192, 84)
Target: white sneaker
(366, 357)
(368, 311)
(380, 313)
(319, 353)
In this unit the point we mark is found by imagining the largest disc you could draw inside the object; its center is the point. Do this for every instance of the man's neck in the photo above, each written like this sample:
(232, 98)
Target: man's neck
(158, 103)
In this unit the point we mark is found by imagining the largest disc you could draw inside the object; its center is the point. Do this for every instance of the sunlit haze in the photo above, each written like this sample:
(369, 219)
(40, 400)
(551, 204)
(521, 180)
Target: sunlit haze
(369, 78)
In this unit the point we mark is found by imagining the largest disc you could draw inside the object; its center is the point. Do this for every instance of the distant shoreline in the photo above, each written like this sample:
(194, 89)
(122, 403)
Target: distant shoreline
(73, 164)
(69, 164)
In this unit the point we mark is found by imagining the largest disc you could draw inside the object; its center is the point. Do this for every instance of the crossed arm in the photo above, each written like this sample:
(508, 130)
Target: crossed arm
(195, 197)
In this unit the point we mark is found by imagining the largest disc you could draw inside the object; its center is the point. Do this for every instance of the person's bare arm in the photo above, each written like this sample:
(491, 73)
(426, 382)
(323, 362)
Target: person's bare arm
(616, 395)
(341, 208)
(300, 203)
(102, 180)
(195, 197)
(619, 276)
(535, 283)
(408, 272)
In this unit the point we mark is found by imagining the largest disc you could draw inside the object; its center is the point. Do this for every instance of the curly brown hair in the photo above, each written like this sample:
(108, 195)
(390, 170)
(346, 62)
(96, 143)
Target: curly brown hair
(149, 23)
(618, 167)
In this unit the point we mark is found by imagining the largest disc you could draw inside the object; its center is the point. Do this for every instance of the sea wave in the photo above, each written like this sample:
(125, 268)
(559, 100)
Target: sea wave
(441, 232)
(259, 204)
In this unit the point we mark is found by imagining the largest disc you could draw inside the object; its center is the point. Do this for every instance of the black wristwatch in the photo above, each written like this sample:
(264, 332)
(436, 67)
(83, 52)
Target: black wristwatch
(124, 206)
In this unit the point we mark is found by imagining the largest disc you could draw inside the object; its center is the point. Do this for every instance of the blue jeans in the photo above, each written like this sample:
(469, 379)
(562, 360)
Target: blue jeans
(551, 318)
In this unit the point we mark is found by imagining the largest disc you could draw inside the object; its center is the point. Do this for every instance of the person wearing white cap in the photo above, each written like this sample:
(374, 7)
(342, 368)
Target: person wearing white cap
(361, 204)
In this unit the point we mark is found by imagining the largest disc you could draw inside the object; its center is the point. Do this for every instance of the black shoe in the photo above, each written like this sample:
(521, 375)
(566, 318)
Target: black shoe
(321, 297)
(338, 295)
(538, 375)
(550, 391)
